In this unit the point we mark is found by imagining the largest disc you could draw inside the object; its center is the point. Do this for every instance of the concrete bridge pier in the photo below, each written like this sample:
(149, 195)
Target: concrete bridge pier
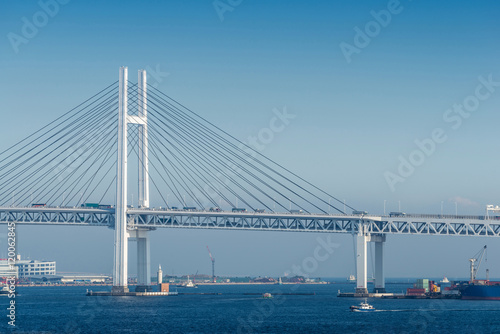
(379, 263)
(143, 259)
(362, 240)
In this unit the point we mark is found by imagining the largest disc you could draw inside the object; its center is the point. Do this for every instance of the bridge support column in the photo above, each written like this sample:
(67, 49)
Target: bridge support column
(143, 141)
(379, 263)
(143, 259)
(120, 263)
(361, 280)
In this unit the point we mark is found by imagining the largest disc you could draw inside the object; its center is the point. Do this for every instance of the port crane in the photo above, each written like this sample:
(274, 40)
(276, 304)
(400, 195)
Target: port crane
(213, 264)
(475, 262)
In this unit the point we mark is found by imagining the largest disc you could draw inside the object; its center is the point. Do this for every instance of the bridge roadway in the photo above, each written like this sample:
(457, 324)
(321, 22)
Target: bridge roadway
(422, 224)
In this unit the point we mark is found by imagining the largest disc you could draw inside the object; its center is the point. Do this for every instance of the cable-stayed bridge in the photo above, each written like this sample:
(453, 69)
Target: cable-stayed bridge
(82, 168)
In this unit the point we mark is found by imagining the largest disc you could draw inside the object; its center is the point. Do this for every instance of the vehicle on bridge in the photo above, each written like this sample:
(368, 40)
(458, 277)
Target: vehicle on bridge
(260, 210)
(215, 209)
(90, 205)
(397, 214)
(38, 205)
(356, 212)
(296, 211)
(239, 210)
(189, 208)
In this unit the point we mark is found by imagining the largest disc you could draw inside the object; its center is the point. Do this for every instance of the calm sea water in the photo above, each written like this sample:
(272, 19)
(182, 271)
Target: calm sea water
(68, 310)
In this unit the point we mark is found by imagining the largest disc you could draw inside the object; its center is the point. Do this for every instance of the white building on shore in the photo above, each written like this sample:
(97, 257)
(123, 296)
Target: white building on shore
(36, 268)
(6, 270)
(27, 268)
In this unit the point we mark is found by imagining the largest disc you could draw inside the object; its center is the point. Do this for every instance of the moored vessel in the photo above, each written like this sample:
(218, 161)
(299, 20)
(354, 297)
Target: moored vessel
(481, 290)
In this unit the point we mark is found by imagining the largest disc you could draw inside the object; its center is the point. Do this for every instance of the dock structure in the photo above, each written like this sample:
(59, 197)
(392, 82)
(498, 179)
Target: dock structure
(395, 296)
(366, 295)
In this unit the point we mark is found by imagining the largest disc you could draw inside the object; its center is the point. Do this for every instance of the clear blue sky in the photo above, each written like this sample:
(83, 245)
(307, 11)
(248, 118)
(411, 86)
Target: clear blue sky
(353, 119)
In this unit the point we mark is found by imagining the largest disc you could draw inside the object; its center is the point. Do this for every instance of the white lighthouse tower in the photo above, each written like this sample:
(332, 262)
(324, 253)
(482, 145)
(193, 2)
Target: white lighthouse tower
(160, 275)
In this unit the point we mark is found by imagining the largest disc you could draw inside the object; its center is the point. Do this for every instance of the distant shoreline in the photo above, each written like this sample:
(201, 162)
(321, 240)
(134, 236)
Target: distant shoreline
(175, 284)
(205, 284)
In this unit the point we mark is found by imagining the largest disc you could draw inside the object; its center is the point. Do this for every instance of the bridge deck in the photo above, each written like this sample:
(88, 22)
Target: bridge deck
(299, 222)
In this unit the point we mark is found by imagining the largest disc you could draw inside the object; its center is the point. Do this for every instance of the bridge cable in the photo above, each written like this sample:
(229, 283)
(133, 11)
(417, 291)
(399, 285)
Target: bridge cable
(253, 175)
(253, 150)
(70, 131)
(57, 119)
(63, 170)
(26, 179)
(59, 132)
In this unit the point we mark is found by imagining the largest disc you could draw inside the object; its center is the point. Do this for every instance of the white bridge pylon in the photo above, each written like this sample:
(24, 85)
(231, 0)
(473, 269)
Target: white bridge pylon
(122, 235)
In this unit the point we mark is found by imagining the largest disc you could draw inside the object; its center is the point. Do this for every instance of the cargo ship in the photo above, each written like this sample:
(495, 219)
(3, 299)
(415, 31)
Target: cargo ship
(481, 290)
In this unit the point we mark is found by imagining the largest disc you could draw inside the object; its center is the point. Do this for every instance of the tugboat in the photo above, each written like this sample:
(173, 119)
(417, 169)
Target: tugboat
(363, 307)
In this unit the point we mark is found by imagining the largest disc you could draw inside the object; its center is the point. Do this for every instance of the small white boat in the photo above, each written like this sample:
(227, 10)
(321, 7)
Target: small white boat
(444, 280)
(362, 307)
(5, 290)
(267, 295)
(188, 284)
(351, 278)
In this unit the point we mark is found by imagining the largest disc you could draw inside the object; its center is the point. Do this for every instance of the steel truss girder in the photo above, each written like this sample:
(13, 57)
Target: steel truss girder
(458, 227)
(252, 222)
(58, 217)
(152, 219)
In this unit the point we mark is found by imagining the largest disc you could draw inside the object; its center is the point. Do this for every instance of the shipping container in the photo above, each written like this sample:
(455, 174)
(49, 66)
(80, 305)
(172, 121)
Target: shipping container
(415, 292)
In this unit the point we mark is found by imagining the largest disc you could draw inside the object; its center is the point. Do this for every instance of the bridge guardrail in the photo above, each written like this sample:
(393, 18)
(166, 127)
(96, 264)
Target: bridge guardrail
(413, 215)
